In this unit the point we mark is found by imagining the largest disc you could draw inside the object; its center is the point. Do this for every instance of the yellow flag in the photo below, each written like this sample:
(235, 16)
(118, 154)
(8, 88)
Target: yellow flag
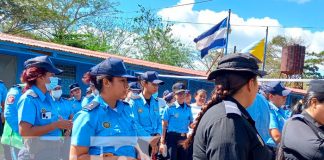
(256, 49)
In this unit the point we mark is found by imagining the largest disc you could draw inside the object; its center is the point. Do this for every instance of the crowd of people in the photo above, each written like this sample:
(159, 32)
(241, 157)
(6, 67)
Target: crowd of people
(121, 116)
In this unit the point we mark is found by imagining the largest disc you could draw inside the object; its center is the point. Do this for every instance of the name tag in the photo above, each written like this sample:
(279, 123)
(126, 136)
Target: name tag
(46, 115)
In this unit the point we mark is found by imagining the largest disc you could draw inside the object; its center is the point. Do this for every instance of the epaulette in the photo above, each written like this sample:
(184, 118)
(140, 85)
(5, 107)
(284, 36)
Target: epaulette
(231, 107)
(297, 116)
(92, 105)
(31, 93)
(157, 98)
(1, 81)
(125, 102)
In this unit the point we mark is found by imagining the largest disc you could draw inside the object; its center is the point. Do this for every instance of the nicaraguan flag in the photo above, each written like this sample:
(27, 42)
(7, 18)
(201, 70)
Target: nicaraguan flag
(214, 38)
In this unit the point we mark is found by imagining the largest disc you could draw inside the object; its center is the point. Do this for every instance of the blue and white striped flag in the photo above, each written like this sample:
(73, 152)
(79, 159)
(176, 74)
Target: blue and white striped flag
(214, 38)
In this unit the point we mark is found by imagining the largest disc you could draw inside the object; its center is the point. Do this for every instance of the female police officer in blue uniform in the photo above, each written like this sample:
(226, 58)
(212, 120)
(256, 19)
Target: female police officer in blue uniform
(176, 121)
(38, 119)
(303, 134)
(106, 127)
(224, 129)
(146, 108)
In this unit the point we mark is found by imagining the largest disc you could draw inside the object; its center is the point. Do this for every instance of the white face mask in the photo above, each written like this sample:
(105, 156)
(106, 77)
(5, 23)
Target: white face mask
(53, 83)
(57, 93)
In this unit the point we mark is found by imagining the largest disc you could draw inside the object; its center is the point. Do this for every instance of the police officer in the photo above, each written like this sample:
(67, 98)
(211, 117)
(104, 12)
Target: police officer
(224, 129)
(63, 106)
(38, 118)
(107, 120)
(134, 91)
(278, 116)
(303, 134)
(65, 111)
(3, 94)
(176, 121)
(76, 98)
(10, 134)
(146, 108)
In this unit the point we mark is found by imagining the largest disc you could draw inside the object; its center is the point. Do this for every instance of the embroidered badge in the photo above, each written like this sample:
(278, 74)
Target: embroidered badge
(43, 110)
(10, 99)
(176, 115)
(140, 110)
(106, 124)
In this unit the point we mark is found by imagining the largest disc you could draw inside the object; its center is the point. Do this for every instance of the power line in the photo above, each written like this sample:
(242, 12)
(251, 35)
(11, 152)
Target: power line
(180, 5)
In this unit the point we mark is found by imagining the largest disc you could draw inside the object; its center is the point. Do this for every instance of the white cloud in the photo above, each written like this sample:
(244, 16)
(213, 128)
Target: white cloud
(299, 1)
(242, 33)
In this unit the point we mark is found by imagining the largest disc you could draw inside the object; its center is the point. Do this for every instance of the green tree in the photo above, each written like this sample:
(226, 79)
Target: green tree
(156, 43)
(59, 21)
(311, 69)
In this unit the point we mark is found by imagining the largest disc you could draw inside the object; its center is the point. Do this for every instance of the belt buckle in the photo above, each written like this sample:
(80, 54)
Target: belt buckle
(183, 134)
(107, 155)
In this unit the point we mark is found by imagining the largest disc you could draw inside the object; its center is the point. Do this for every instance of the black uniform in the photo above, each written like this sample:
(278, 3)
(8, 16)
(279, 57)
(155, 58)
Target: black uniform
(303, 138)
(227, 131)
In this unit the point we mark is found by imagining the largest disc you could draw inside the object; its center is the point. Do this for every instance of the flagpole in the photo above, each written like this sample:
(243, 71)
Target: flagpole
(265, 49)
(227, 31)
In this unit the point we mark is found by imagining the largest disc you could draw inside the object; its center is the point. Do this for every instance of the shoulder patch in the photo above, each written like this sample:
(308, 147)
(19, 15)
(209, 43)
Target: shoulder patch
(92, 105)
(31, 93)
(10, 99)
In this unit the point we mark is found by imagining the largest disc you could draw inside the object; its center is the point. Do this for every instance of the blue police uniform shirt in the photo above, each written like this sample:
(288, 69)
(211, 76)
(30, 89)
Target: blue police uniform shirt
(278, 117)
(64, 108)
(147, 115)
(260, 113)
(37, 109)
(178, 117)
(87, 99)
(76, 105)
(3, 94)
(117, 128)
(11, 108)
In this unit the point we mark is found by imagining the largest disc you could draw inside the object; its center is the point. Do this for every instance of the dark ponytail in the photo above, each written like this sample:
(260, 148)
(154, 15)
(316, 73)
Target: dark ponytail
(225, 85)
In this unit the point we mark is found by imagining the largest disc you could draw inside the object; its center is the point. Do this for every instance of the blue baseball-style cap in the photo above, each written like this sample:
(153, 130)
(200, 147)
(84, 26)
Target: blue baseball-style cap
(114, 67)
(134, 86)
(42, 62)
(151, 76)
(277, 88)
(179, 87)
(74, 86)
(166, 92)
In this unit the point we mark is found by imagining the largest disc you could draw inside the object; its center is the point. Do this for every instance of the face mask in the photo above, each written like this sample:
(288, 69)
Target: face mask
(53, 83)
(155, 95)
(135, 96)
(57, 94)
(96, 92)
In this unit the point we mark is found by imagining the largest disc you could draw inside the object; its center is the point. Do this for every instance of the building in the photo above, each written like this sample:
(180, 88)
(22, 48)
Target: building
(75, 62)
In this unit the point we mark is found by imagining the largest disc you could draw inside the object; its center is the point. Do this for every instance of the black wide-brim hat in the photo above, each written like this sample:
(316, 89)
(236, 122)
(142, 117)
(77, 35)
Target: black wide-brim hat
(237, 63)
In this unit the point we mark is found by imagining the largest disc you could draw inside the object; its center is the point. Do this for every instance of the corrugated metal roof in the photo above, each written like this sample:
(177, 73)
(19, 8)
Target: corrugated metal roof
(64, 48)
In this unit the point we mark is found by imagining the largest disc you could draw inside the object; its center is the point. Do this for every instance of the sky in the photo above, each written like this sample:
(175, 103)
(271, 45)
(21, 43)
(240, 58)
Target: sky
(299, 19)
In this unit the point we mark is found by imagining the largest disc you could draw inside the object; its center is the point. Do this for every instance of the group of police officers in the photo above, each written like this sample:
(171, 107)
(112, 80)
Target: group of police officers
(122, 118)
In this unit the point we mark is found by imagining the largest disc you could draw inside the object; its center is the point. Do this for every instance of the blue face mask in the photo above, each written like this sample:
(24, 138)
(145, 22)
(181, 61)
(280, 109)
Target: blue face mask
(155, 95)
(53, 83)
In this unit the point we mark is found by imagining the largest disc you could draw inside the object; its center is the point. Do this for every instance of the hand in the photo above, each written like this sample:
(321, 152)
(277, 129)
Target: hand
(64, 124)
(155, 140)
(154, 151)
